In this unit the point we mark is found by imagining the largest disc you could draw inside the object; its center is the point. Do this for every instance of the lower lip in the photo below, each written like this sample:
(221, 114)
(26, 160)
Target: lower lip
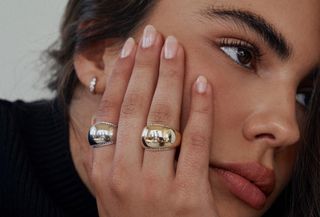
(242, 188)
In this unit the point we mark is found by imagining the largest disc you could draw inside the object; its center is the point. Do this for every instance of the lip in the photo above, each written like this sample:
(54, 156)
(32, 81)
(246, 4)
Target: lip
(250, 182)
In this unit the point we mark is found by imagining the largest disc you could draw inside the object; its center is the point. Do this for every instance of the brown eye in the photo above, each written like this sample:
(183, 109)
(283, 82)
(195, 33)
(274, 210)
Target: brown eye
(241, 56)
(244, 56)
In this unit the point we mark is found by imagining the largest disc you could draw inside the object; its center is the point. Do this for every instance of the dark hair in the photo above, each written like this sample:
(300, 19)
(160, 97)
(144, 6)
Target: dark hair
(302, 195)
(89, 21)
(86, 22)
(306, 180)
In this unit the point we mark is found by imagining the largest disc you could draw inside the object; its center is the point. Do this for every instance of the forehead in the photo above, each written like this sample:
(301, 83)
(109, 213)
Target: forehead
(298, 21)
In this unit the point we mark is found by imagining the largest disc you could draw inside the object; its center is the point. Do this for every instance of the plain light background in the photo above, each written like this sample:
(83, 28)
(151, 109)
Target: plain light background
(26, 29)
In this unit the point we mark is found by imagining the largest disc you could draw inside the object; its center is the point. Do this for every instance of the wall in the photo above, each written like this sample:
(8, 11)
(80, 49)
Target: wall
(26, 29)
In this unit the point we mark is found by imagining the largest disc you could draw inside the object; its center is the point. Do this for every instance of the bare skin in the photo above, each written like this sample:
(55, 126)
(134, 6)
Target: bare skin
(248, 113)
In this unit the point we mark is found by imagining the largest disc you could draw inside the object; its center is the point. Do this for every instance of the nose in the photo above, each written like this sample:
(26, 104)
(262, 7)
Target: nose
(275, 127)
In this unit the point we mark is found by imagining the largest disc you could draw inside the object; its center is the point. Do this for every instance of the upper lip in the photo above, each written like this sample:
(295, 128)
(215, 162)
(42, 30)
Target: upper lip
(254, 172)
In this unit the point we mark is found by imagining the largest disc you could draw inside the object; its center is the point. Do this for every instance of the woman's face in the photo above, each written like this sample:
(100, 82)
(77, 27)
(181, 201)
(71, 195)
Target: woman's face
(256, 55)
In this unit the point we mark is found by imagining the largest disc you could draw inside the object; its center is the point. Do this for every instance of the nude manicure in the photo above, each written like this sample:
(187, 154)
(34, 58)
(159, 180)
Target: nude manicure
(170, 47)
(201, 84)
(149, 36)
(127, 48)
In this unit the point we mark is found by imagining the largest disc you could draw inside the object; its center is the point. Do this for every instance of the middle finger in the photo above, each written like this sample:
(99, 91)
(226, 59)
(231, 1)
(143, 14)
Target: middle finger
(136, 103)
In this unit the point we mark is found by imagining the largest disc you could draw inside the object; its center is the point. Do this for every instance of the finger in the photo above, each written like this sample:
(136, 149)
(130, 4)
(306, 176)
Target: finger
(136, 103)
(166, 105)
(194, 156)
(109, 108)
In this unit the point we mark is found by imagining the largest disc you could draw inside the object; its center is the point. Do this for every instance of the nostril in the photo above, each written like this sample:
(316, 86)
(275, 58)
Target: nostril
(265, 136)
(272, 128)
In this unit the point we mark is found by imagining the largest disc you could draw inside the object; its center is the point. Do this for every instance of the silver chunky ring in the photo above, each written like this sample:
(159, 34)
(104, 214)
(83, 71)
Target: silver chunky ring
(102, 134)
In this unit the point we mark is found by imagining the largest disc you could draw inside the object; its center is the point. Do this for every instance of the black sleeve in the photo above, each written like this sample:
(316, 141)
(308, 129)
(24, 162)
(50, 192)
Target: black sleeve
(20, 193)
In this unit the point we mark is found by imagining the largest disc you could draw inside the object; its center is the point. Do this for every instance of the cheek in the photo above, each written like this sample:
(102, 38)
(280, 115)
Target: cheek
(231, 105)
(227, 82)
(285, 161)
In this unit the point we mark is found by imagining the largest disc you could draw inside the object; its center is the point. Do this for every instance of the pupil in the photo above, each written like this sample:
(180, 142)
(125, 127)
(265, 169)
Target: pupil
(307, 99)
(244, 56)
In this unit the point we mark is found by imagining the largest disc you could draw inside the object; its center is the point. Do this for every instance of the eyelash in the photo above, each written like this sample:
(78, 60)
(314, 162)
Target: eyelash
(254, 51)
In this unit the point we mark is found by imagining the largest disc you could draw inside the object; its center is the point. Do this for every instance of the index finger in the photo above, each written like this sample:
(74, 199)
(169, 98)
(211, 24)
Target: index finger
(116, 85)
(110, 105)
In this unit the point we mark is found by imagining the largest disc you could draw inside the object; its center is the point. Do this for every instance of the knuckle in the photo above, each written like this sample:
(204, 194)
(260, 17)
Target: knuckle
(118, 182)
(131, 104)
(97, 178)
(198, 140)
(153, 187)
(181, 187)
(203, 109)
(149, 193)
(107, 106)
(160, 113)
(118, 70)
(171, 72)
(107, 103)
(199, 144)
(186, 201)
(143, 63)
(151, 181)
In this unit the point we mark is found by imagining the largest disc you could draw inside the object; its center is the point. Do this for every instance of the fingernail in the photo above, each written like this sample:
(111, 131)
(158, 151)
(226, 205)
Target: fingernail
(127, 48)
(201, 84)
(149, 36)
(170, 47)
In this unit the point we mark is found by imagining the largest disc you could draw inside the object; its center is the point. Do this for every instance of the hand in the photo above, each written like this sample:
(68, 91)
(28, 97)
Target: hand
(146, 86)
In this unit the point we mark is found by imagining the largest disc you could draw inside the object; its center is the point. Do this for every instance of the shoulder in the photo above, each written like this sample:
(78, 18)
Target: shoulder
(5, 108)
(18, 119)
(4, 103)
(15, 114)
(20, 111)
(6, 120)
(20, 189)
(7, 124)
(14, 118)
(19, 106)
(25, 126)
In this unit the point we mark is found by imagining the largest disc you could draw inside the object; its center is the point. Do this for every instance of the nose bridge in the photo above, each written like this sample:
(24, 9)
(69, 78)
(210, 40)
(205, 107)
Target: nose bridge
(274, 121)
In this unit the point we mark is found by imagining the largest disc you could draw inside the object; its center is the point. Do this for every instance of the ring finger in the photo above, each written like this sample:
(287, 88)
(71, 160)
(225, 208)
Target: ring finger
(166, 106)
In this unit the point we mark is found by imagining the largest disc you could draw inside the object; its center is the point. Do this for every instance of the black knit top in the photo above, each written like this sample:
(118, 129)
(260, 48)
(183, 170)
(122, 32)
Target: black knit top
(37, 175)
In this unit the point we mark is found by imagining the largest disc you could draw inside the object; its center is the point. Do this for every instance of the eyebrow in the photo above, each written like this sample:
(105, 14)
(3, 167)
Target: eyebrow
(254, 22)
